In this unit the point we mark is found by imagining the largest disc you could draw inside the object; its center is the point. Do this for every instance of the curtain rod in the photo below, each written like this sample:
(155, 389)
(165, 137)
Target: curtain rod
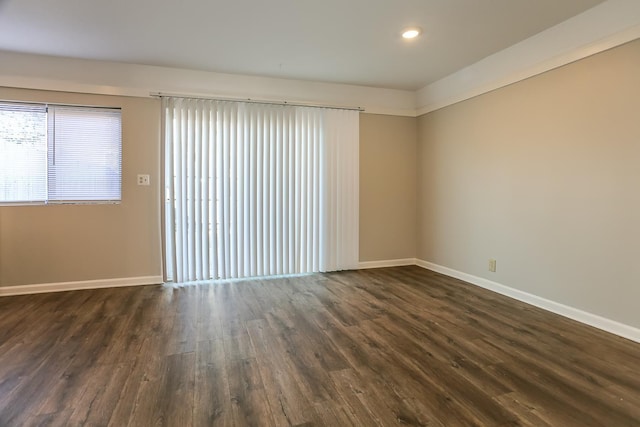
(251, 101)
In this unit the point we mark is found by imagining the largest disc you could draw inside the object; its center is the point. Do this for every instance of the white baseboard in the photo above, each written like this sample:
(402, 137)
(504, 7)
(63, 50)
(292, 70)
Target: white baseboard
(387, 263)
(594, 320)
(74, 286)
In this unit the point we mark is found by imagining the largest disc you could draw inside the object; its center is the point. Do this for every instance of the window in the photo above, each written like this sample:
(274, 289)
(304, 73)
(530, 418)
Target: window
(59, 154)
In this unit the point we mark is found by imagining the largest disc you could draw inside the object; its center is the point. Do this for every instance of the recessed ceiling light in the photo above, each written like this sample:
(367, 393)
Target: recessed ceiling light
(411, 33)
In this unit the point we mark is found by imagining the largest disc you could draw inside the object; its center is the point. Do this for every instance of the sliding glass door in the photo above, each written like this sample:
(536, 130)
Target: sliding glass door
(258, 189)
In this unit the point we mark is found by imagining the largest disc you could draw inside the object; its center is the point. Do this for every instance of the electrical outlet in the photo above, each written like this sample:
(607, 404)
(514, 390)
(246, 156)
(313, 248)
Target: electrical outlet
(492, 265)
(144, 180)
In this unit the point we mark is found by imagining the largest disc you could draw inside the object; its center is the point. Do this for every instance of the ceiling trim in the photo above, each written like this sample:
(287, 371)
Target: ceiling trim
(41, 72)
(602, 27)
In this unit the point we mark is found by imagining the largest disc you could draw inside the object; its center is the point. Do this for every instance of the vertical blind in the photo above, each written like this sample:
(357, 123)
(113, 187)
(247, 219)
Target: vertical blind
(258, 189)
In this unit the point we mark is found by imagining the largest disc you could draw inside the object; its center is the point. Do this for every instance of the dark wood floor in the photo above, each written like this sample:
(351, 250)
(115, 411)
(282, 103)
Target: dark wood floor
(378, 347)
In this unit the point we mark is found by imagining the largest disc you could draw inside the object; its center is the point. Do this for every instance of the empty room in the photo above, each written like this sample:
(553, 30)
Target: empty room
(295, 213)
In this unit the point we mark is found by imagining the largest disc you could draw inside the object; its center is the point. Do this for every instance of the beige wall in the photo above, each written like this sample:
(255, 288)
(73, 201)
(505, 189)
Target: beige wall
(541, 175)
(50, 244)
(544, 176)
(388, 179)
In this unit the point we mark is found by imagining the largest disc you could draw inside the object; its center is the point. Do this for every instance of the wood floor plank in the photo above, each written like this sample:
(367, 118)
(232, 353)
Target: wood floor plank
(57, 419)
(362, 400)
(248, 397)
(96, 401)
(212, 401)
(127, 398)
(391, 346)
(166, 396)
(309, 372)
(288, 403)
(464, 402)
(334, 415)
(527, 415)
(33, 391)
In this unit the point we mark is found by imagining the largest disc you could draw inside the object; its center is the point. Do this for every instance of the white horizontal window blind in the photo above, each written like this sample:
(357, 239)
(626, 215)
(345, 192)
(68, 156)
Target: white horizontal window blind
(59, 154)
(85, 154)
(258, 189)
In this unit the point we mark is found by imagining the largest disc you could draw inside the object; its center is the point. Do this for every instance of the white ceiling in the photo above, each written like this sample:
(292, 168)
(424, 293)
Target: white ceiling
(340, 41)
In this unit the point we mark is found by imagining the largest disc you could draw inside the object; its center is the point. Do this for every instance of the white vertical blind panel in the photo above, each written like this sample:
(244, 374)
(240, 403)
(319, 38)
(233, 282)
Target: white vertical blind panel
(197, 190)
(204, 193)
(217, 190)
(190, 200)
(169, 208)
(255, 190)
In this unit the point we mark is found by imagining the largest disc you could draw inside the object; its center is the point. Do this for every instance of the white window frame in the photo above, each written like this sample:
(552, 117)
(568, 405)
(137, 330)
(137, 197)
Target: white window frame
(50, 109)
